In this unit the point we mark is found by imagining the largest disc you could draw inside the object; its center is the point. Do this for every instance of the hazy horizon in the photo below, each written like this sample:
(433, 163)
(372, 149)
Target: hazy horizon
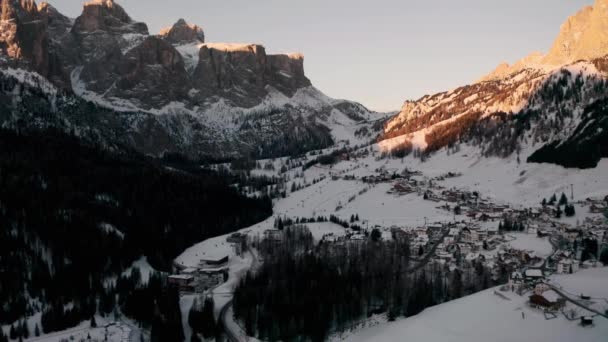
(381, 53)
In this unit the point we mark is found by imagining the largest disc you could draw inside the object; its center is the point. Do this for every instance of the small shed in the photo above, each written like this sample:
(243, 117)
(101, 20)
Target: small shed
(586, 321)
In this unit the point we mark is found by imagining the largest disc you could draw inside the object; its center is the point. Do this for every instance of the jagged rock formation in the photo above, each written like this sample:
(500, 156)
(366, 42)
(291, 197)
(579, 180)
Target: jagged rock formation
(23, 33)
(183, 33)
(584, 36)
(539, 101)
(171, 92)
(105, 15)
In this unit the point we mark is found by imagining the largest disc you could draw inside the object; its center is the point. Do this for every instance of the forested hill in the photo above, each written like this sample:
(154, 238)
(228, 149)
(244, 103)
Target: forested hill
(73, 215)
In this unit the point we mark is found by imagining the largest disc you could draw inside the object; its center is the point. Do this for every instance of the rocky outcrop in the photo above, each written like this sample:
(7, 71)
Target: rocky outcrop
(538, 100)
(23, 33)
(286, 72)
(584, 36)
(153, 73)
(105, 15)
(243, 71)
(171, 92)
(183, 33)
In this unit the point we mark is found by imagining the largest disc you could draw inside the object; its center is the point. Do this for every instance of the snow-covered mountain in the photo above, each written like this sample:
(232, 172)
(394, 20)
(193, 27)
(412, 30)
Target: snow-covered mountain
(553, 103)
(172, 92)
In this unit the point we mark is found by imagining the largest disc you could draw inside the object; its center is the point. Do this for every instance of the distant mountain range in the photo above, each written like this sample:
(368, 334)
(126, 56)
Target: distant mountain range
(104, 77)
(553, 106)
(166, 93)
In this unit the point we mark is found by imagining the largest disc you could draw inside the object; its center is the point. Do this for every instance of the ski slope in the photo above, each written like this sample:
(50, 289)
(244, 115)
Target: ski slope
(486, 317)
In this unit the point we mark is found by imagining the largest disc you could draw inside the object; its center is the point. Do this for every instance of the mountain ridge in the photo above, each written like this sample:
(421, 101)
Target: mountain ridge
(541, 101)
(202, 97)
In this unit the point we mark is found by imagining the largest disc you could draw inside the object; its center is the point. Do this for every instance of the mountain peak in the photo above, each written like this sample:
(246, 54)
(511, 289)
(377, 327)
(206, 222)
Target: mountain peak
(106, 15)
(23, 33)
(583, 36)
(13, 9)
(181, 32)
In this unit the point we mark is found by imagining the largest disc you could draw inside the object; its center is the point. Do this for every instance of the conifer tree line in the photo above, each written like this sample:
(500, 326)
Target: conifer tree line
(60, 195)
(201, 319)
(306, 291)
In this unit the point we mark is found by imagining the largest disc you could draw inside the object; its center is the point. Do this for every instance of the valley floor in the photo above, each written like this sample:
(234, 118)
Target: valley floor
(484, 316)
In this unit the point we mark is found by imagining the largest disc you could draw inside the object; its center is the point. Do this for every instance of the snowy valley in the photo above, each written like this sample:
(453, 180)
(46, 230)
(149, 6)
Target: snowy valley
(162, 187)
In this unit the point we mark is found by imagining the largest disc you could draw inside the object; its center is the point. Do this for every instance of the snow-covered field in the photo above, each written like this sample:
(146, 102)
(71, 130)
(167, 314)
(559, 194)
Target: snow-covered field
(481, 317)
(486, 317)
(530, 242)
(106, 330)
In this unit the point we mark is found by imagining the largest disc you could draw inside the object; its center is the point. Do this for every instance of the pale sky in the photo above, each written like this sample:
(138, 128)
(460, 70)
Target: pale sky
(379, 52)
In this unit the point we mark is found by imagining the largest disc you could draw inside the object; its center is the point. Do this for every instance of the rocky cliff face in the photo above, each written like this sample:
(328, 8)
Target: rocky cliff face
(242, 72)
(176, 93)
(105, 15)
(535, 103)
(584, 36)
(183, 33)
(23, 33)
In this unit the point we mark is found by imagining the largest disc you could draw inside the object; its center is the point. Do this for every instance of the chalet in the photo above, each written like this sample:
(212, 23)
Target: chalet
(548, 301)
(567, 266)
(237, 238)
(399, 234)
(464, 248)
(533, 274)
(182, 281)
(516, 281)
(542, 233)
(586, 321)
(211, 277)
(468, 235)
(541, 288)
(597, 209)
(273, 235)
(535, 213)
(572, 233)
(533, 229)
(214, 261)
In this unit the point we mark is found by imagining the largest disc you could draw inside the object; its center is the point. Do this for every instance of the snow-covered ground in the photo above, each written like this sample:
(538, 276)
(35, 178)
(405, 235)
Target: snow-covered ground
(530, 242)
(486, 317)
(506, 180)
(114, 331)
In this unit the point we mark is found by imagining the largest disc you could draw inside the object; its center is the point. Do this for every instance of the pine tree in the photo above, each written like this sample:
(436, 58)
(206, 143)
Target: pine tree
(544, 202)
(604, 257)
(376, 235)
(93, 322)
(569, 210)
(563, 200)
(208, 326)
(13, 332)
(553, 199)
(25, 331)
(36, 330)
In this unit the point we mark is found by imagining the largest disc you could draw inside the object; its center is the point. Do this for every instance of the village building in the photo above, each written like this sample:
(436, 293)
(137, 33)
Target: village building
(211, 277)
(567, 266)
(548, 301)
(184, 282)
(533, 275)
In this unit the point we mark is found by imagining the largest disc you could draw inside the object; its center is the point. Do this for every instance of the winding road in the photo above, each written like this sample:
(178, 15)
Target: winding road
(235, 336)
